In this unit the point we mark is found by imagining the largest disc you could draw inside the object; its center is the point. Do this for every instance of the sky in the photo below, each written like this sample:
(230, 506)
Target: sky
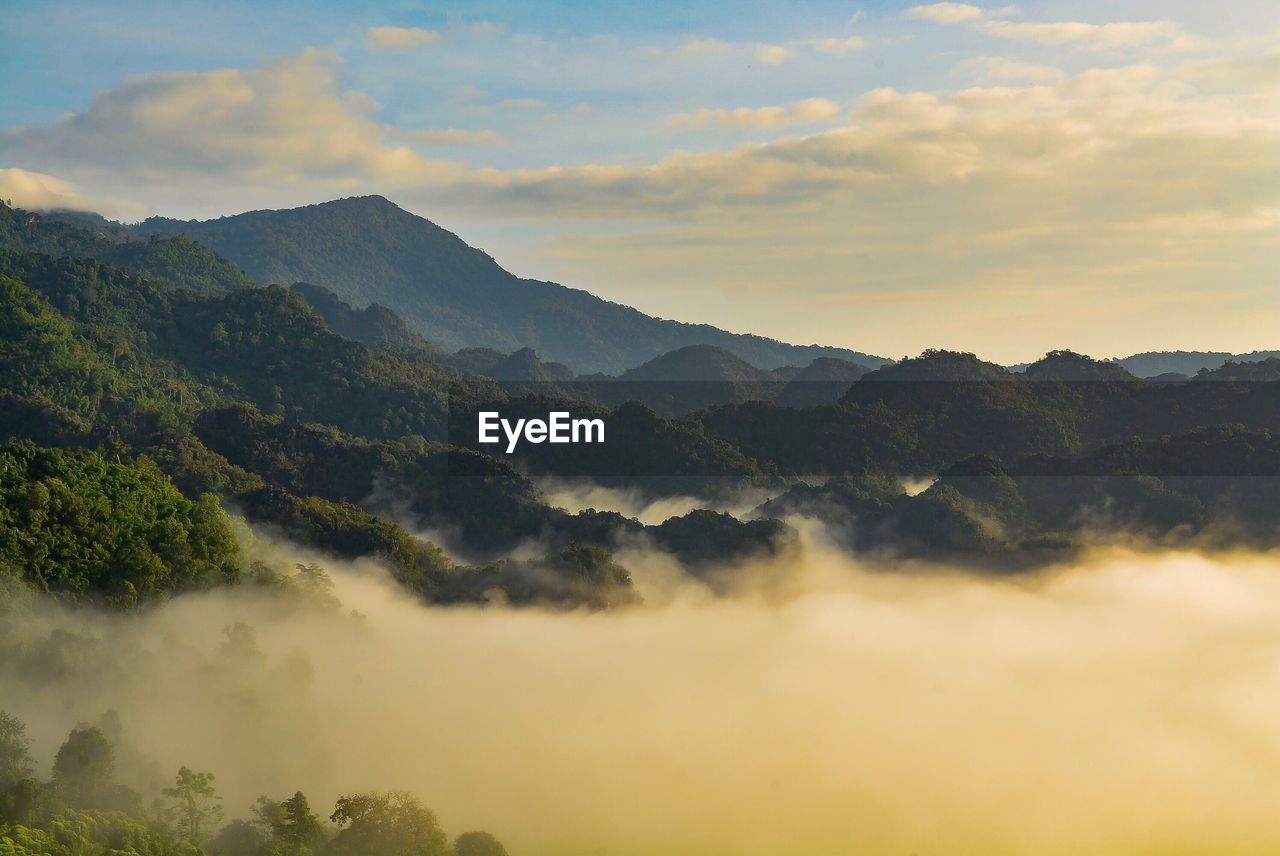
(1101, 176)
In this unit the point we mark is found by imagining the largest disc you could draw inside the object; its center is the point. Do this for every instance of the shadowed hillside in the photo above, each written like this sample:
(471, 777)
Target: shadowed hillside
(367, 250)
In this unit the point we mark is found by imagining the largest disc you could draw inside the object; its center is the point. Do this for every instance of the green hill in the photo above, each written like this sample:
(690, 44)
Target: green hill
(175, 259)
(367, 250)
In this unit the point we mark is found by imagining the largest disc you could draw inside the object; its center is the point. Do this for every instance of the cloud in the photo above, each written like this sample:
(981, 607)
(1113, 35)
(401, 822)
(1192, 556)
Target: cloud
(1090, 36)
(1143, 186)
(455, 137)
(399, 38)
(287, 122)
(522, 103)
(866, 711)
(36, 191)
(945, 13)
(691, 49)
(996, 69)
(837, 46)
(808, 111)
(771, 54)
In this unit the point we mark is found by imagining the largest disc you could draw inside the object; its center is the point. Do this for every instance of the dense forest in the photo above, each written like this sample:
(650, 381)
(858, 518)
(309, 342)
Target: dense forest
(148, 389)
(84, 808)
(158, 406)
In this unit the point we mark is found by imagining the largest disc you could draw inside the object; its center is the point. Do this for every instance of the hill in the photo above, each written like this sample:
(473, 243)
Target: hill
(1154, 363)
(823, 381)
(175, 259)
(705, 363)
(367, 250)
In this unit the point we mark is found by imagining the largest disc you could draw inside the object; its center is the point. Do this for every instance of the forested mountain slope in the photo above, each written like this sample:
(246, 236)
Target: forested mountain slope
(367, 250)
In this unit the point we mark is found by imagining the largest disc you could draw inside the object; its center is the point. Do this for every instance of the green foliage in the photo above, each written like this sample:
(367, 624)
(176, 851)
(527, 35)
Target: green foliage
(386, 824)
(194, 803)
(85, 811)
(478, 844)
(84, 774)
(176, 260)
(75, 523)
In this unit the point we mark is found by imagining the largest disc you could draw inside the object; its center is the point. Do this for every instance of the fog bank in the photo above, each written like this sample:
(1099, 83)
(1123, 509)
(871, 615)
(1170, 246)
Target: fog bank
(1125, 706)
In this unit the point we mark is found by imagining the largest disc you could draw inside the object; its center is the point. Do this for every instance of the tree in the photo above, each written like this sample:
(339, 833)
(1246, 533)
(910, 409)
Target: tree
(84, 772)
(15, 760)
(478, 844)
(195, 803)
(237, 838)
(391, 824)
(17, 789)
(290, 824)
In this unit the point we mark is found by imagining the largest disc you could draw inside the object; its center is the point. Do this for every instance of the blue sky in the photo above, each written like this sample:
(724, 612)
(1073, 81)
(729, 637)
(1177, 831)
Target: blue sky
(886, 176)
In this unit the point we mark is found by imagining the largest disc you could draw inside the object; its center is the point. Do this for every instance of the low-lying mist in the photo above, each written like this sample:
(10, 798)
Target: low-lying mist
(1126, 705)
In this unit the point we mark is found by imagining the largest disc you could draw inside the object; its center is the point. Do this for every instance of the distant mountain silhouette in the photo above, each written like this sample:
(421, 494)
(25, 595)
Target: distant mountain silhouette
(367, 250)
(375, 325)
(698, 363)
(1152, 363)
(823, 381)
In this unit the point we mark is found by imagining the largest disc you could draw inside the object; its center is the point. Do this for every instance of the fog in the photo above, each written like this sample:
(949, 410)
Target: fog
(1127, 705)
(576, 495)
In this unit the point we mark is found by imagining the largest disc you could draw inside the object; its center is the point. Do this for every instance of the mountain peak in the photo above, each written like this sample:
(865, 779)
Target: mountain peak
(367, 249)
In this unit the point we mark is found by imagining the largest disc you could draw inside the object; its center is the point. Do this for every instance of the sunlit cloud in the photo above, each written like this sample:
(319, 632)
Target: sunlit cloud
(945, 13)
(37, 191)
(1090, 36)
(691, 49)
(455, 137)
(837, 46)
(771, 54)
(522, 103)
(809, 110)
(996, 69)
(399, 38)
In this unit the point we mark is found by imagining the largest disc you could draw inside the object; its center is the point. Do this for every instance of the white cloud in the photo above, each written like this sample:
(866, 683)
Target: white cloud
(287, 122)
(1120, 34)
(36, 191)
(997, 69)
(808, 111)
(523, 103)
(1143, 184)
(945, 13)
(837, 46)
(399, 38)
(771, 54)
(691, 49)
(454, 137)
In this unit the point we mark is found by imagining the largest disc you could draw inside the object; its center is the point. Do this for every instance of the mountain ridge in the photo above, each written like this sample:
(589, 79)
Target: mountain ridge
(455, 295)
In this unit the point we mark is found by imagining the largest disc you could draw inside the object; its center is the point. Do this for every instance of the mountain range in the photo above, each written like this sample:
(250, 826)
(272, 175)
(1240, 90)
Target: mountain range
(366, 250)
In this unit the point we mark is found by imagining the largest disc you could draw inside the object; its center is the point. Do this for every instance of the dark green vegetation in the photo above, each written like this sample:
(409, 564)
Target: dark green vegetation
(136, 399)
(367, 250)
(84, 809)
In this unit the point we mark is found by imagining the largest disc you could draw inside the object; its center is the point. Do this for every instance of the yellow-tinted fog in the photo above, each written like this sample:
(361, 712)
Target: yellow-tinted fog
(1125, 706)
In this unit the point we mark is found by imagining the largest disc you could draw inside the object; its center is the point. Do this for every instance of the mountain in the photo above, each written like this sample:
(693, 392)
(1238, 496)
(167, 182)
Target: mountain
(1070, 366)
(823, 381)
(1152, 363)
(174, 259)
(705, 363)
(375, 325)
(367, 250)
(524, 365)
